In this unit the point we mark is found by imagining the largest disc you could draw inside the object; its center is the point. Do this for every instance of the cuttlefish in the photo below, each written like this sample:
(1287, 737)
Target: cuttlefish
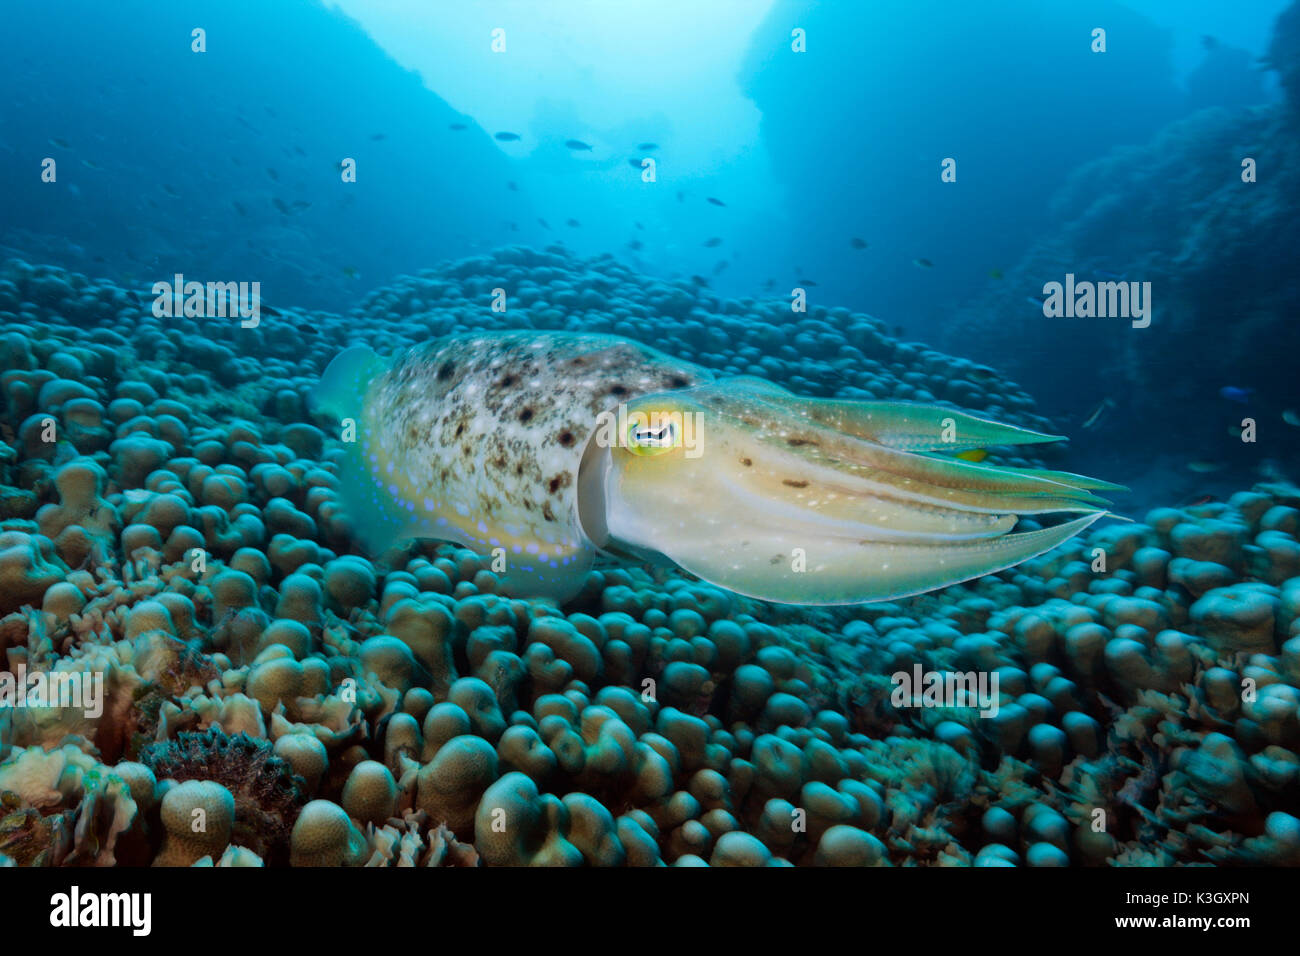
(547, 449)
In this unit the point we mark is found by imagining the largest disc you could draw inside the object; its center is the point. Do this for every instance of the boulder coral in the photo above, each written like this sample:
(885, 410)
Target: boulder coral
(184, 539)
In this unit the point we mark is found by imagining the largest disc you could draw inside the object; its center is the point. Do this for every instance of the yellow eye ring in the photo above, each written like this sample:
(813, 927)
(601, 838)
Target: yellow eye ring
(646, 440)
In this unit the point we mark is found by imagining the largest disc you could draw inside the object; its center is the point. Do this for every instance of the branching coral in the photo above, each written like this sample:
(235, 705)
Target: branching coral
(267, 794)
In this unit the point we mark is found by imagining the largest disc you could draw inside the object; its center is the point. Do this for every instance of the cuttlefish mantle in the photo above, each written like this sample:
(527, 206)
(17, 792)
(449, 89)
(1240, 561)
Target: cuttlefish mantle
(545, 449)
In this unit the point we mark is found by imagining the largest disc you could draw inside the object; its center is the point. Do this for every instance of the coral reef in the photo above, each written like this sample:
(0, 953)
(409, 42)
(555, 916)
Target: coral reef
(173, 527)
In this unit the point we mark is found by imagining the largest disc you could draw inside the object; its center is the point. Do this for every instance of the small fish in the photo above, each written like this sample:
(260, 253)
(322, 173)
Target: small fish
(1291, 417)
(973, 454)
(806, 282)
(577, 144)
(89, 165)
(681, 196)
(713, 242)
(306, 328)
(980, 373)
(1201, 467)
(646, 147)
(898, 331)
(769, 284)
(638, 225)
(1036, 302)
(272, 173)
(857, 243)
(700, 280)
(715, 201)
(351, 272)
(239, 207)
(280, 205)
(635, 245)
(636, 163)
(923, 263)
(504, 137)
(1234, 394)
(1270, 470)
(457, 127)
(995, 273)
(167, 188)
(60, 142)
(1100, 410)
(1196, 500)
(376, 137)
(512, 186)
(720, 267)
(572, 223)
(543, 223)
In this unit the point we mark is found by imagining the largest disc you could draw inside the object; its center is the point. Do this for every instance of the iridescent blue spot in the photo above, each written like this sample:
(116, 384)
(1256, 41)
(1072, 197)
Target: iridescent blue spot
(517, 549)
(428, 504)
(392, 489)
(482, 527)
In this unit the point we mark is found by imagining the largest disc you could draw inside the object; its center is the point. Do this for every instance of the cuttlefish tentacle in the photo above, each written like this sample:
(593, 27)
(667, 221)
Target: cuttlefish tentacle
(545, 449)
(791, 506)
(907, 426)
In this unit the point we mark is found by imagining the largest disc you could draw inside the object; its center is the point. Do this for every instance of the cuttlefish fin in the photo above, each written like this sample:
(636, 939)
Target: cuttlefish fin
(754, 384)
(379, 515)
(342, 389)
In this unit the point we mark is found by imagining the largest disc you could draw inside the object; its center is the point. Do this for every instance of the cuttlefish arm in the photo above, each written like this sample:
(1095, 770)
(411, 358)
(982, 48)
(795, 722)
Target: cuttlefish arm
(814, 502)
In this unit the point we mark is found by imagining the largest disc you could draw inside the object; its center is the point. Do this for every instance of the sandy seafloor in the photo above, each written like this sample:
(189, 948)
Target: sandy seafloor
(323, 708)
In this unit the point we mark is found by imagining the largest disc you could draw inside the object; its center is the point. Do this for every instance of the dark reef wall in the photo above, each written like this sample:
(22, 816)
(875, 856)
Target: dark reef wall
(1220, 255)
(858, 125)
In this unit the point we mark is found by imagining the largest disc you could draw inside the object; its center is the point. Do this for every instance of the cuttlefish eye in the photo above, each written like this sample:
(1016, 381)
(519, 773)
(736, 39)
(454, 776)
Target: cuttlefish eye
(648, 439)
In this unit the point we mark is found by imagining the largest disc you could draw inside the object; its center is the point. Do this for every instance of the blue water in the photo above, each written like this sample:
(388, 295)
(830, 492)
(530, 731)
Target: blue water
(825, 166)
